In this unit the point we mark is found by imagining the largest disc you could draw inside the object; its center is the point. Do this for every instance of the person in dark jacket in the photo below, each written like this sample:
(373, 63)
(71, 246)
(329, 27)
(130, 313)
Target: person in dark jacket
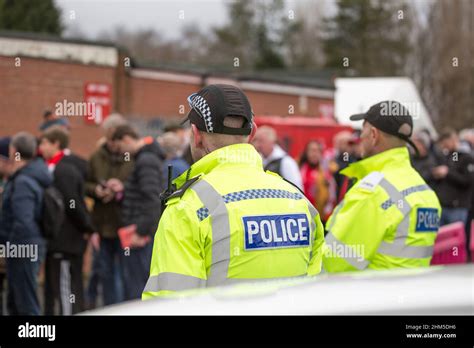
(425, 160)
(141, 205)
(5, 166)
(19, 225)
(107, 163)
(344, 154)
(453, 180)
(467, 138)
(63, 271)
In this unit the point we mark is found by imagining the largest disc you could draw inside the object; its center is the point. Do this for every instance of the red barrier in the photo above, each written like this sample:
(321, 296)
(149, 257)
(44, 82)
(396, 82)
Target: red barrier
(472, 241)
(450, 245)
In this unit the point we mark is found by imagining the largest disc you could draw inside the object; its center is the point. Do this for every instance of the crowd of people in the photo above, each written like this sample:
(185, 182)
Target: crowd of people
(447, 166)
(112, 202)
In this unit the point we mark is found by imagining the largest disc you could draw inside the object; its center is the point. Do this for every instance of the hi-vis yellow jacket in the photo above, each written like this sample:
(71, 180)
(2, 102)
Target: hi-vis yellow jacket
(388, 219)
(233, 222)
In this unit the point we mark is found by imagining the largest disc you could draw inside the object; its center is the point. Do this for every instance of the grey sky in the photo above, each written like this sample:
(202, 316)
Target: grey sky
(94, 16)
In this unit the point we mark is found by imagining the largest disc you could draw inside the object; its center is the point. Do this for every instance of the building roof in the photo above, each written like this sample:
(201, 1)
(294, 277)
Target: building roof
(54, 38)
(40, 45)
(313, 78)
(43, 46)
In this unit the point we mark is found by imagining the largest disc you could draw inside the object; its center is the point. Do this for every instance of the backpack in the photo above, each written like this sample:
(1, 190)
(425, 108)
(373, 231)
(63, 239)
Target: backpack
(53, 213)
(274, 166)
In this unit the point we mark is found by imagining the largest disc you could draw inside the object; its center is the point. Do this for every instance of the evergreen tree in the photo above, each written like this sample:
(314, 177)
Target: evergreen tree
(253, 34)
(368, 37)
(40, 16)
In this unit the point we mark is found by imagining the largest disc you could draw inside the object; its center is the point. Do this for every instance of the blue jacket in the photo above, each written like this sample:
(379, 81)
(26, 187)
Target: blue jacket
(179, 167)
(23, 203)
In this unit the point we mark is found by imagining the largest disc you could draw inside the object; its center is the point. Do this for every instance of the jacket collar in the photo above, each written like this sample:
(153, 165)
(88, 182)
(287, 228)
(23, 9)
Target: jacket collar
(232, 155)
(398, 157)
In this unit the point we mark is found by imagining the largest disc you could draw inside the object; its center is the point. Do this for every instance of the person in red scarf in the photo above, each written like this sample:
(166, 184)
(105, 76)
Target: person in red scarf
(63, 269)
(318, 183)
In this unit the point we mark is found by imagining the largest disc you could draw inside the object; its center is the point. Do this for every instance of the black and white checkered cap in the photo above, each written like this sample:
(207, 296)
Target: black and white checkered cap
(212, 104)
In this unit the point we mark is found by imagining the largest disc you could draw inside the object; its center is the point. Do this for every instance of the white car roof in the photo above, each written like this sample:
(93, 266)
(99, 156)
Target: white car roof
(440, 290)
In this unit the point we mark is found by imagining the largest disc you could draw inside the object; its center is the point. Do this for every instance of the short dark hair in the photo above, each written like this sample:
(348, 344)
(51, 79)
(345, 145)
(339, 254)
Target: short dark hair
(25, 144)
(57, 134)
(47, 113)
(124, 130)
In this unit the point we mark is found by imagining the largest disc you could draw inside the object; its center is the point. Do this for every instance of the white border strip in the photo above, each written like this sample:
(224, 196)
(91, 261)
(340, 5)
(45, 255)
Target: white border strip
(166, 76)
(286, 89)
(86, 54)
(221, 80)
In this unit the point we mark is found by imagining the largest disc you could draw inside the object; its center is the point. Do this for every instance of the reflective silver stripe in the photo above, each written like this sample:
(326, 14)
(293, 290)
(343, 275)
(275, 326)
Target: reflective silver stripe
(399, 248)
(313, 212)
(402, 230)
(65, 286)
(334, 215)
(214, 202)
(396, 196)
(173, 282)
(406, 192)
(357, 261)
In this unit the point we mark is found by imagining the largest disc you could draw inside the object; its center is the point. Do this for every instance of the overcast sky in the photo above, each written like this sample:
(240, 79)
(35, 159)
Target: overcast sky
(94, 16)
(91, 17)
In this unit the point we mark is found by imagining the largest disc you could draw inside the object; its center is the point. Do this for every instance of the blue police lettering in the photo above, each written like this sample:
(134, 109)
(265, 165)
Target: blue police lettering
(276, 231)
(427, 220)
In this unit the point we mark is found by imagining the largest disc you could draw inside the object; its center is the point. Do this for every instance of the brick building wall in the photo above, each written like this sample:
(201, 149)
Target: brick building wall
(264, 103)
(38, 84)
(154, 98)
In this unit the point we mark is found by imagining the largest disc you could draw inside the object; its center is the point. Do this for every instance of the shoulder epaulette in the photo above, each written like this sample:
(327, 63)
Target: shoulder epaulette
(180, 192)
(371, 181)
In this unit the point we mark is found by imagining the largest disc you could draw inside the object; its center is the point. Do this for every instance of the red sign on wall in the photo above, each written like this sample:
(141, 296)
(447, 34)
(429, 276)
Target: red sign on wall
(98, 94)
(326, 110)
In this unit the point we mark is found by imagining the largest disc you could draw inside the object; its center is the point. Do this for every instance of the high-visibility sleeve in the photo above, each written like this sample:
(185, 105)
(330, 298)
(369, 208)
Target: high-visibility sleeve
(178, 256)
(314, 267)
(352, 239)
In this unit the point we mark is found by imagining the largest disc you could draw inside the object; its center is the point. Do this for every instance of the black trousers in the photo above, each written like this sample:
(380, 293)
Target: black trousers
(2, 289)
(64, 291)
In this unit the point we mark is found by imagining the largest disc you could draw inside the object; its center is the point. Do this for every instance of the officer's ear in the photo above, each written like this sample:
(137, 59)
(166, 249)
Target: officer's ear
(252, 133)
(197, 137)
(374, 135)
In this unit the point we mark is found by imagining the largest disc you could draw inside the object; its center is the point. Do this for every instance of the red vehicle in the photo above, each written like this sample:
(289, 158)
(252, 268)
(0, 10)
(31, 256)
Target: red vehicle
(295, 131)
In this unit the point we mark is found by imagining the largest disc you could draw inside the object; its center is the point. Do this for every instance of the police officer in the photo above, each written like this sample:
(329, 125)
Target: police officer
(228, 220)
(390, 217)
